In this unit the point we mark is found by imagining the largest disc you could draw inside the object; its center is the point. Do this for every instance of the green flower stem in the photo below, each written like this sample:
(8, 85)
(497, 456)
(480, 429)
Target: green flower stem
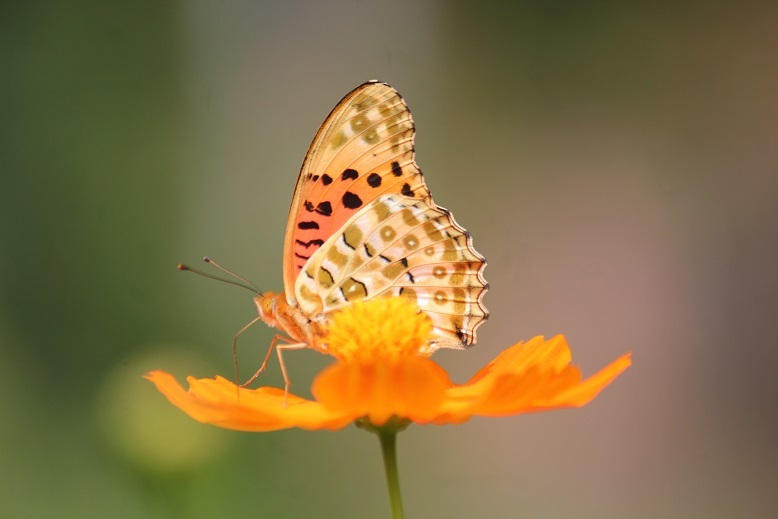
(387, 435)
(388, 439)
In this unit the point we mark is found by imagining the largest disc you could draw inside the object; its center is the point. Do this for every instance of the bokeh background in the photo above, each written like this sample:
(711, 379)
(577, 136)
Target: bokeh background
(617, 165)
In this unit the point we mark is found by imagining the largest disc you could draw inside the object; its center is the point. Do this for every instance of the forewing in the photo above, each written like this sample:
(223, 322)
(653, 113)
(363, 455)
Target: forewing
(363, 150)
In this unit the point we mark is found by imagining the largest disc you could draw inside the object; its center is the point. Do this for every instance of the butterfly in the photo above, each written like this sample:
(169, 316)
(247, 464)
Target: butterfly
(363, 224)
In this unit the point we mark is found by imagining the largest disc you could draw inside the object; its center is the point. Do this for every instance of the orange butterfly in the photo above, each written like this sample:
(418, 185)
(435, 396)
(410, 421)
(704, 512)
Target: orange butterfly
(363, 224)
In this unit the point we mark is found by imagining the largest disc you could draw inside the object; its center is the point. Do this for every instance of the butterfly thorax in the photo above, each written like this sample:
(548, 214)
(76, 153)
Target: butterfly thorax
(276, 312)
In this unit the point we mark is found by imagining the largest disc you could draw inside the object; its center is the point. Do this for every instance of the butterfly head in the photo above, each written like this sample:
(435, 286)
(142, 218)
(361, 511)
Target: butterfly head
(267, 307)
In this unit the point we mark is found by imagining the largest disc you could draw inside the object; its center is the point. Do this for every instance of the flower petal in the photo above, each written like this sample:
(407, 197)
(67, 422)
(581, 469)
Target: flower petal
(412, 388)
(584, 392)
(216, 401)
(525, 378)
(554, 354)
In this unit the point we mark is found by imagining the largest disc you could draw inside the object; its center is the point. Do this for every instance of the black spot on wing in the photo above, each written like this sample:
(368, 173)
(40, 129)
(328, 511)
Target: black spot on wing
(324, 208)
(307, 244)
(351, 200)
(307, 225)
(301, 256)
(326, 179)
(406, 190)
(374, 180)
(397, 171)
(349, 174)
(308, 206)
(315, 178)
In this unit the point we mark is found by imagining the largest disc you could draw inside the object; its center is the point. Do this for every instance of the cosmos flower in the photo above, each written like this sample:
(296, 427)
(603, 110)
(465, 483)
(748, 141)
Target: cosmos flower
(379, 376)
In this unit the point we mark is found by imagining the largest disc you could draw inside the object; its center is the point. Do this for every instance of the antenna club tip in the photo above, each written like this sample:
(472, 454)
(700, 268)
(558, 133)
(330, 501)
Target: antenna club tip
(181, 266)
(206, 259)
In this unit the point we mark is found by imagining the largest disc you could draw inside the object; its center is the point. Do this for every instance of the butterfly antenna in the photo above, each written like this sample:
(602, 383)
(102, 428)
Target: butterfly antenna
(252, 285)
(249, 286)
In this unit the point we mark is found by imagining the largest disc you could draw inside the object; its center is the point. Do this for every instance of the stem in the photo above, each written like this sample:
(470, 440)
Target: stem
(388, 439)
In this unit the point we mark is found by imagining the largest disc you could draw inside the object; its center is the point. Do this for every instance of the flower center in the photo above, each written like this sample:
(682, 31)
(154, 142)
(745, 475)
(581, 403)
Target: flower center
(385, 328)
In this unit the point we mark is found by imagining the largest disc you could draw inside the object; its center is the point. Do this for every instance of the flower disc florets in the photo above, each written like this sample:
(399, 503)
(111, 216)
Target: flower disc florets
(386, 328)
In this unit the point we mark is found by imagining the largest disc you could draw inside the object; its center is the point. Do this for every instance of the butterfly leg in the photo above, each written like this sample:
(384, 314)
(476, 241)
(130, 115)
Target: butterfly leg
(276, 338)
(235, 346)
(279, 349)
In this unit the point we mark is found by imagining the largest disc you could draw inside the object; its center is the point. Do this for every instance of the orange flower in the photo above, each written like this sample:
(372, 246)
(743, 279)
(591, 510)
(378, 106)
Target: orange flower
(380, 374)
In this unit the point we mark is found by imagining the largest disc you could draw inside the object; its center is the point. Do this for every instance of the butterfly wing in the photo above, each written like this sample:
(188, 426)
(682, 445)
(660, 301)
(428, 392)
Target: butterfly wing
(363, 150)
(398, 245)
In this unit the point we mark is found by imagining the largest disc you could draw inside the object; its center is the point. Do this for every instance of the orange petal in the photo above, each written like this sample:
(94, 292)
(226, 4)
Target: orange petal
(215, 401)
(412, 388)
(583, 393)
(526, 378)
(540, 390)
(553, 354)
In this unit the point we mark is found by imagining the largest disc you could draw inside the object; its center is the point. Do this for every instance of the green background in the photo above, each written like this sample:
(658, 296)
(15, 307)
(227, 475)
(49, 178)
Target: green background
(617, 165)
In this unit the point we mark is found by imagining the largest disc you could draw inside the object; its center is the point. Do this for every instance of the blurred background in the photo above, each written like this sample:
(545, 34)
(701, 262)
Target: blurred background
(616, 164)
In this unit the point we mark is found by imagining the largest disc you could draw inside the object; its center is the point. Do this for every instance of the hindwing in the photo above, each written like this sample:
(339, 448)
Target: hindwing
(401, 246)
